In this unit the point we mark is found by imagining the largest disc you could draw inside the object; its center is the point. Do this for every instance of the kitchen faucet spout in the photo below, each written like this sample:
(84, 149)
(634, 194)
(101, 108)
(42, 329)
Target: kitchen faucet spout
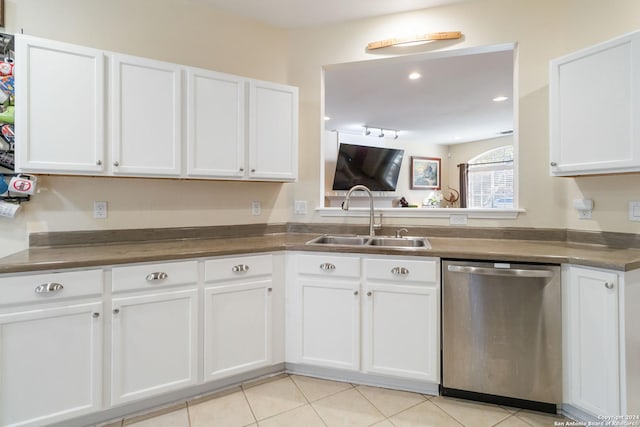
(347, 199)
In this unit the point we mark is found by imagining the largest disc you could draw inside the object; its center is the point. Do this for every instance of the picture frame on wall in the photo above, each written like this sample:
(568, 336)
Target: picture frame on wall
(425, 173)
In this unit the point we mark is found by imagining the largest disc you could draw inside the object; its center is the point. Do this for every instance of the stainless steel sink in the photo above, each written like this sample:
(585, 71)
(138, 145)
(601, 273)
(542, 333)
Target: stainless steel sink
(401, 242)
(340, 240)
(408, 242)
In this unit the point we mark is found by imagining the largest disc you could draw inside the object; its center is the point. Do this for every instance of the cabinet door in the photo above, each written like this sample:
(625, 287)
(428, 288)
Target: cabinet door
(154, 344)
(330, 323)
(146, 116)
(216, 124)
(401, 331)
(591, 340)
(273, 132)
(237, 328)
(50, 364)
(60, 108)
(594, 105)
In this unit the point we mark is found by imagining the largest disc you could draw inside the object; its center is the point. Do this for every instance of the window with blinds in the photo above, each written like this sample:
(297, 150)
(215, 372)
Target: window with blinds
(490, 179)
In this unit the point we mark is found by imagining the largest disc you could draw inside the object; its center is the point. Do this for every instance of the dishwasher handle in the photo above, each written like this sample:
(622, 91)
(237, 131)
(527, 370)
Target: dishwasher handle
(485, 271)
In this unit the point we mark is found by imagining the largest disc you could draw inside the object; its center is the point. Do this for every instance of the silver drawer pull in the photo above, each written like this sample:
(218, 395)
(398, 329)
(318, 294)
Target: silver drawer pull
(327, 266)
(399, 271)
(240, 268)
(608, 285)
(158, 275)
(48, 288)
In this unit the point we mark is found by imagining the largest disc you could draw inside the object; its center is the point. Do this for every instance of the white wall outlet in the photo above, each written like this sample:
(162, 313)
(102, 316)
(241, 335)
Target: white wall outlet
(300, 207)
(456, 219)
(256, 208)
(634, 211)
(99, 210)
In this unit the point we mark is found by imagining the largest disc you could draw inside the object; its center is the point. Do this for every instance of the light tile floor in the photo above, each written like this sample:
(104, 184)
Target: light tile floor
(297, 401)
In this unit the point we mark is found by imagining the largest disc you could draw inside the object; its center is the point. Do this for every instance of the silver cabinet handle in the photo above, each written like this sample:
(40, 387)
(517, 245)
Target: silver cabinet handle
(116, 164)
(116, 310)
(99, 162)
(554, 164)
(253, 170)
(158, 275)
(48, 288)
(241, 169)
(269, 289)
(95, 315)
(608, 285)
(355, 292)
(400, 271)
(327, 266)
(369, 293)
(240, 268)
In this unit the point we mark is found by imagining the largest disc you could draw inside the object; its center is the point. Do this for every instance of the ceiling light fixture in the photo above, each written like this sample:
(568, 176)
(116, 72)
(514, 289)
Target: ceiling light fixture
(327, 118)
(384, 132)
(415, 75)
(367, 132)
(500, 98)
(413, 40)
(396, 137)
(381, 135)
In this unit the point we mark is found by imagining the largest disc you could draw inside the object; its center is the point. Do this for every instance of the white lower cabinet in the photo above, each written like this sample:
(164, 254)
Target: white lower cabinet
(592, 339)
(369, 314)
(154, 337)
(50, 347)
(237, 315)
(401, 318)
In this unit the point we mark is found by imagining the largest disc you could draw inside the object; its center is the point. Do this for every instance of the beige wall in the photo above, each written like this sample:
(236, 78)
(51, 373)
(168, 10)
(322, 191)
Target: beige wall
(190, 32)
(543, 29)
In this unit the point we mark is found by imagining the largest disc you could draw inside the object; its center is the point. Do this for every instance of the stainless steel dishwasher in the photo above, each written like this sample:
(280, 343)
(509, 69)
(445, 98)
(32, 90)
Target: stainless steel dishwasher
(502, 333)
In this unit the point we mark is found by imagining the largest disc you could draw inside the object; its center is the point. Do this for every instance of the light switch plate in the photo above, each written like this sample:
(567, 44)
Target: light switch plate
(99, 210)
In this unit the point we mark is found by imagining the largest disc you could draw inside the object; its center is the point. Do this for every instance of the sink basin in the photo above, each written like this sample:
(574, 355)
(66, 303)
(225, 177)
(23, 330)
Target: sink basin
(401, 242)
(385, 241)
(340, 240)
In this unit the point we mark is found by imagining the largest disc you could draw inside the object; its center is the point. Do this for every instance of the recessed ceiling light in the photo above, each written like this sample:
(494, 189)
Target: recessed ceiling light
(327, 118)
(415, 75)
(500, 98)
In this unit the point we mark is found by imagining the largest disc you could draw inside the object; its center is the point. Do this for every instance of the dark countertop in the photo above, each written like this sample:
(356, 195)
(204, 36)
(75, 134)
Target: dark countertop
(82, 256)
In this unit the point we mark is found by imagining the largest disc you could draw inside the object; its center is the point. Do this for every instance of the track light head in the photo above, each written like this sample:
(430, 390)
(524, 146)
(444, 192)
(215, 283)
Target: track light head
(381, 135)
(367, 132)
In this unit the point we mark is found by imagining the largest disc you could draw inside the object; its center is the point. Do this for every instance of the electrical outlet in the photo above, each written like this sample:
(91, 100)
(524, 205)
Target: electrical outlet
(457, 219)
(100, 210)
(256, 208)
(300, 207)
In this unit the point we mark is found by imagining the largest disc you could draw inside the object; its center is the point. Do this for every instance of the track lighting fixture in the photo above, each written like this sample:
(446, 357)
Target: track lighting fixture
(381, 134)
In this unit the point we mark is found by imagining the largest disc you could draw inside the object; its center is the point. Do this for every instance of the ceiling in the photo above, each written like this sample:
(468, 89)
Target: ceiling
(451, 103)
(307, 13)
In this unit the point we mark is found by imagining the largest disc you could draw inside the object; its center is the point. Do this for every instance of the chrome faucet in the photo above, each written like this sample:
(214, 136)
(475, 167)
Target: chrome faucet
(347, 198)
(399, 232)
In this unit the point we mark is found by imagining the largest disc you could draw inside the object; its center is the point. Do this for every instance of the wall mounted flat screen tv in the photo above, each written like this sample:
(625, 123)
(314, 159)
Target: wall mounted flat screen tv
(377, 168)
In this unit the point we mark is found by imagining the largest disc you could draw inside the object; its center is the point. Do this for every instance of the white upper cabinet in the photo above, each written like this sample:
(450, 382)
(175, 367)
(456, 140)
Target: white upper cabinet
(60, 125)
(273, 131)
(146, 116)
(216, 124)
(595, 109)
(225, 126)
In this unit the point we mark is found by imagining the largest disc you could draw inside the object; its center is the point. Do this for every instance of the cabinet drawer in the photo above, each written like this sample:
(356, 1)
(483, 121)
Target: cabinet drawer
(328, 265)
(238, 267)
(396, 269)
(44, 287)
(148, 276)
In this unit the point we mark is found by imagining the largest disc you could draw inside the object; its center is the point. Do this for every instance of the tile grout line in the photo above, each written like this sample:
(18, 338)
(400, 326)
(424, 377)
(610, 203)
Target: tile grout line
(372, 404)
(246, 399)
(309, 402)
